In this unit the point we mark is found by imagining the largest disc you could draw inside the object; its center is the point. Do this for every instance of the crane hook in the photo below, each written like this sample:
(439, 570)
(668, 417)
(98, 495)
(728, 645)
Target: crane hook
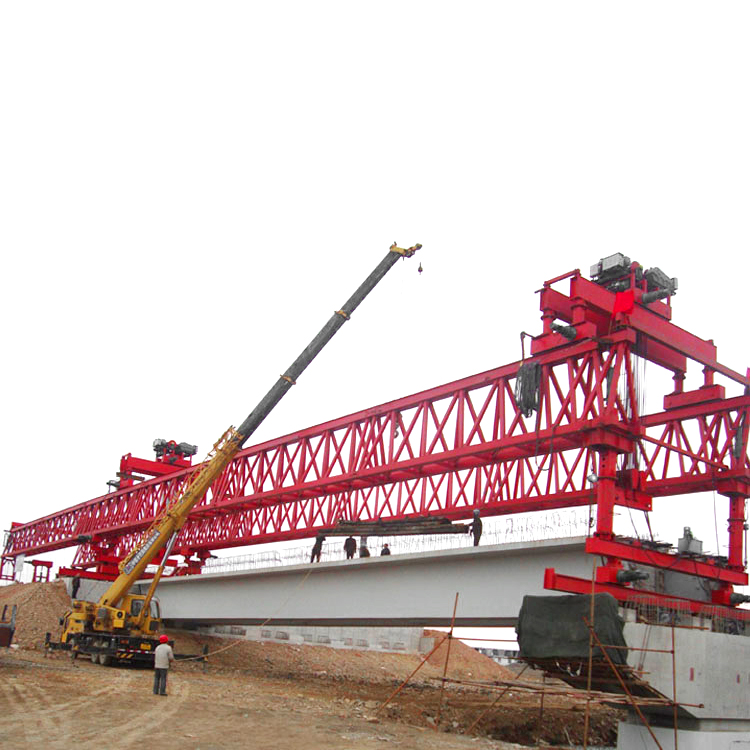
(419, 270)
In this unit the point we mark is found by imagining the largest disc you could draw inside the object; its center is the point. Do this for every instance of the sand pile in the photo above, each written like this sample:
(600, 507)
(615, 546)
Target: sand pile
(465, 661)
(284, 660)
(40, 607)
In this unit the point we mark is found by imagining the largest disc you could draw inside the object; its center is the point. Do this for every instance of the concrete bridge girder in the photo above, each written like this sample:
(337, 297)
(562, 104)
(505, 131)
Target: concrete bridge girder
(413, 589)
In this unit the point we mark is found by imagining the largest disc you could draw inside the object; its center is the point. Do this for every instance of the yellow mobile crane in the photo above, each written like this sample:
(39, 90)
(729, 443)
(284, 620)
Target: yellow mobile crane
(122, 626)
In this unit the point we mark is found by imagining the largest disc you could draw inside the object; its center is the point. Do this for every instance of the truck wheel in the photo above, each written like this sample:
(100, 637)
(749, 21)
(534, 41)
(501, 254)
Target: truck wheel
(95, 659)
(105, 659)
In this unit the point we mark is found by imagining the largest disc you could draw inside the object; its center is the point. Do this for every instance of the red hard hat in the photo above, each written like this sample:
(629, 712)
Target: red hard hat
(163, 639)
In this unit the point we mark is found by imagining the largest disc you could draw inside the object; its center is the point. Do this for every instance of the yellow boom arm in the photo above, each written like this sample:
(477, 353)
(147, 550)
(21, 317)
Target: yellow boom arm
(171, 521)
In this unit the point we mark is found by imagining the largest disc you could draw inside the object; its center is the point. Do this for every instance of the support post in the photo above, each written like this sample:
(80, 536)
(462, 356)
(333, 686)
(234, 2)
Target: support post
(736, 530)
(674, 686)
(605, 492)
(445, 668)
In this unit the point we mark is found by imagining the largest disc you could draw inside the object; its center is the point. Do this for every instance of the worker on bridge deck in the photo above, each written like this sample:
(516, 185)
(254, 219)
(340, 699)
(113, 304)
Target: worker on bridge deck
(475, 528)
(350, 547)
(317, 548)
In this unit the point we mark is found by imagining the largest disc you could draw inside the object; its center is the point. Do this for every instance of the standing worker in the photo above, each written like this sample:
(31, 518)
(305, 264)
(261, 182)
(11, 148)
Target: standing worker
(475, 528)
(386, 550)
(363, 550)
(163, 655)
(317, 548)
(350, 547)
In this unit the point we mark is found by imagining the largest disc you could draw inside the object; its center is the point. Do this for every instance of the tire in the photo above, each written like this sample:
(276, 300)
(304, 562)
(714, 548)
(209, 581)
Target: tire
(95, 658)
(105, 660)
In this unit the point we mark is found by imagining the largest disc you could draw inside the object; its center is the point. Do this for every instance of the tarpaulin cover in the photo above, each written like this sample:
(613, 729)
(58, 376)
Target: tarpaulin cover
(553, 627)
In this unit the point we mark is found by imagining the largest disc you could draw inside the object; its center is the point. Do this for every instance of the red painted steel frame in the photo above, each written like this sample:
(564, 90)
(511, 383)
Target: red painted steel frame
(635, 551)
(467, 445)
(557, 582)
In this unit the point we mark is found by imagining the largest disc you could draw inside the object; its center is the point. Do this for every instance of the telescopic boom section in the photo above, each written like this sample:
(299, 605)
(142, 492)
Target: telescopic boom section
(170, 522)
(286, 381)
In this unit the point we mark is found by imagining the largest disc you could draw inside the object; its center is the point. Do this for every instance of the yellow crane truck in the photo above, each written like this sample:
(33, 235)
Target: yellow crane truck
(122, 626)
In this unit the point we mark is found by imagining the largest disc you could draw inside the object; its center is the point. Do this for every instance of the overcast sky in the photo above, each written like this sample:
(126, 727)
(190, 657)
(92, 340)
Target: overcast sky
(188, 190)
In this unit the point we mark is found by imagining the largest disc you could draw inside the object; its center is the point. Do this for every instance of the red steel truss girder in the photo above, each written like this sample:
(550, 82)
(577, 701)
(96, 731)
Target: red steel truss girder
(700, 439)
(322, 453)
(443, 451)
(344, 448)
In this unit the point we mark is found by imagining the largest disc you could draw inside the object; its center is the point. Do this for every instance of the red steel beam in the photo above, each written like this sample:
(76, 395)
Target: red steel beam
(638, 553)
(554, 581)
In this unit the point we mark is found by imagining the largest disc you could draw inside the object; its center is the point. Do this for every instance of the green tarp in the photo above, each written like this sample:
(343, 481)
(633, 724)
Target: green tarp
(552, 627)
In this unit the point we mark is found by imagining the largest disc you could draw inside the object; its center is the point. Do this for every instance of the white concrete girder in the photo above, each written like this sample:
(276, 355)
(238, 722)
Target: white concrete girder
(412, 589)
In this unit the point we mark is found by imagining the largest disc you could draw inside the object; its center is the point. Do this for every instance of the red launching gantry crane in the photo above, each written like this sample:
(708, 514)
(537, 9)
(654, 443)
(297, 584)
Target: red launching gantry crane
(561, 428)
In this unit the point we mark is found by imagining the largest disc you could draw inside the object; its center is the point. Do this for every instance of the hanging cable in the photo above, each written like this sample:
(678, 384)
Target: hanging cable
(527, 387)
(738, 449)
(648, 523)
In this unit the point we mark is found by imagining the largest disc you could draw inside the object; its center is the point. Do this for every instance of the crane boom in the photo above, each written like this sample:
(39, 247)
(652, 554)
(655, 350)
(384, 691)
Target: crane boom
(286, 381)
(106, 616)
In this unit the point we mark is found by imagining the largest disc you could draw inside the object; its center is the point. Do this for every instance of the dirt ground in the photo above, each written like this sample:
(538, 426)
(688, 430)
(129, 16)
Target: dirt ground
(269, 695)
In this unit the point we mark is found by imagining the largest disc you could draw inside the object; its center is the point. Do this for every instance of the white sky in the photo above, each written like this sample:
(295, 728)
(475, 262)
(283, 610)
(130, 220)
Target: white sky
(188, 190)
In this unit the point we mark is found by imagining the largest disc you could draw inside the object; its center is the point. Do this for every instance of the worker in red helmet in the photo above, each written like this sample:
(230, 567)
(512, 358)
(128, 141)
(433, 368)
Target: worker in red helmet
(163, 656)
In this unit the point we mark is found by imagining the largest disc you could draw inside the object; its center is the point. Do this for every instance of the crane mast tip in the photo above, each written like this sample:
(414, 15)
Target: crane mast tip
(405, 252)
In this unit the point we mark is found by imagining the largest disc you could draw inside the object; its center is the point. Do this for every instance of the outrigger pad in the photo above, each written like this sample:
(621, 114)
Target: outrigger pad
(552, 627)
